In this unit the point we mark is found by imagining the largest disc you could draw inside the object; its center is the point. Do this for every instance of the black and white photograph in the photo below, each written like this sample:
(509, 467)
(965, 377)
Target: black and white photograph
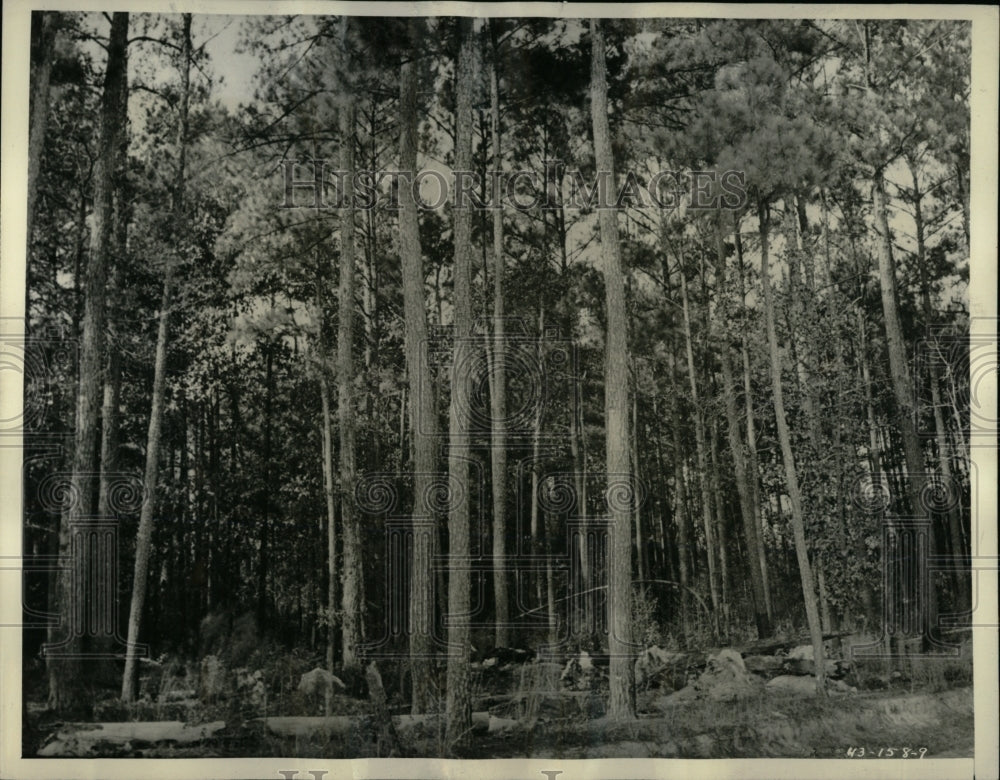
(447, 383)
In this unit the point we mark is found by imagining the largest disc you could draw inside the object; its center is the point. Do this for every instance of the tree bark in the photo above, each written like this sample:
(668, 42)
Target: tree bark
(498, 383)
(352, 584)
(788, 458)
(423, 407)
(329, 492)
(458, 704)
(44, 28)
(622, 673)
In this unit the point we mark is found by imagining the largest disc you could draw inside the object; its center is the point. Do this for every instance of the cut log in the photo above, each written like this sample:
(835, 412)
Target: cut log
(78, 739)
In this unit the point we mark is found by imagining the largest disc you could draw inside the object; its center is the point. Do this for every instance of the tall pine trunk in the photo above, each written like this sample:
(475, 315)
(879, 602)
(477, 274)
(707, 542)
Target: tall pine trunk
(329, 488)
(352, 584)
(616, 407)
(458, 702)
(498, 383)
(423, 408)
(145, 533)
(64, 677)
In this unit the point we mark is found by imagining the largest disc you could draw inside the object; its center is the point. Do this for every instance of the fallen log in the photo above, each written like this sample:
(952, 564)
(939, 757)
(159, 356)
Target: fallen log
(78, 739)
(772, 646)
(341, 725)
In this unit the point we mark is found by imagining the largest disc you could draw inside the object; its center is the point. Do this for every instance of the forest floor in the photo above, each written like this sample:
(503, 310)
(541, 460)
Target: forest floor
(729, 708)
(768, 725)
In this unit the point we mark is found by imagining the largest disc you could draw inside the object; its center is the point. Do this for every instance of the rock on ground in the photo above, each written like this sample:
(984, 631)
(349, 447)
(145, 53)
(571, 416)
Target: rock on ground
(725, 679)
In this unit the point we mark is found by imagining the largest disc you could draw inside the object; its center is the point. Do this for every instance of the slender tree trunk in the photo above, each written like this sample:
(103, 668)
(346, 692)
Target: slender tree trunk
(329, 492)
(750, 530)
(498, 385)
(952, 514)
(579, 457)
(804, 358)
(145, 533)
(902, 385)
(752, 464)
(640, 537)
(264, 493)
(680, 499)
(701, 446)
(423, 408)
(352, 585)
(536, 446)
(551, 530)
(663, 540)
(622, 672)
(791, 474)
(719, 525)
(458, 703)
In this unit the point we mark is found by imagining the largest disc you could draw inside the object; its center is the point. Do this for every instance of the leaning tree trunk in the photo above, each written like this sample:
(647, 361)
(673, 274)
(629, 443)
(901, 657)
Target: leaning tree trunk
(352, 586)
(423, 408)
(64, 677)
(616, 408)
(902, 386)
(144, 536)
(498, 388)
(458, 702)
(791, 474)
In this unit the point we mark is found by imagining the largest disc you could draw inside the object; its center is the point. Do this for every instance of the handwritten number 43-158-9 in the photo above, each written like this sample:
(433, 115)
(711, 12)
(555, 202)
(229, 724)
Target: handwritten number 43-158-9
(886, 752)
